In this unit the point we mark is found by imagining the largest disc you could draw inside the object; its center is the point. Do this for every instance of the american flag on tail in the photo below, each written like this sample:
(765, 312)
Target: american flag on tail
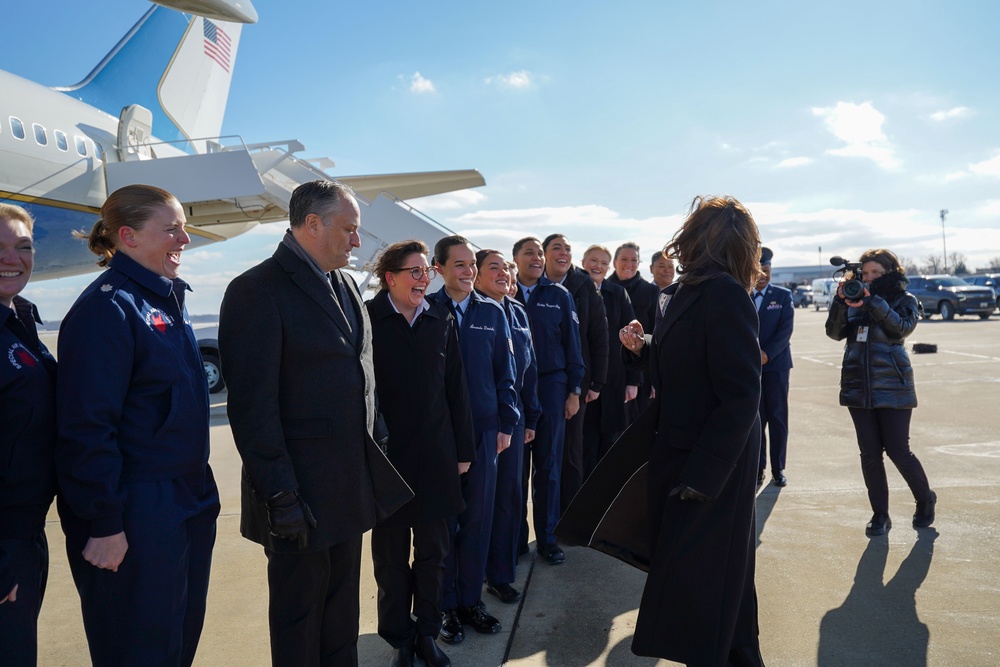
(217, 44)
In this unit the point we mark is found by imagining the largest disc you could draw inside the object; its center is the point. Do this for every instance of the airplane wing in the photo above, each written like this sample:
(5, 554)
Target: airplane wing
(412, 185)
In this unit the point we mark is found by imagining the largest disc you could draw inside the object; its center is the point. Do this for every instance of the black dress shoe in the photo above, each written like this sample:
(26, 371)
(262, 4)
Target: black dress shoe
(760, 477)
(431, 653)
(479, 619)
(505, 592)
(879, 525)
(403, 657)
(924, 515)
(452, 631)
(551, 554)
(778, 477)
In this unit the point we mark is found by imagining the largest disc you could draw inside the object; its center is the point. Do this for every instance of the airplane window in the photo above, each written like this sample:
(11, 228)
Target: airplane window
(81, 145)
(98, 151)
(17, 127)
(61, 140)
(40, 135)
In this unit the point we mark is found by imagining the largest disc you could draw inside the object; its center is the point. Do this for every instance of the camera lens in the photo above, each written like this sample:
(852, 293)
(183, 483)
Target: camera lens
(854, 290)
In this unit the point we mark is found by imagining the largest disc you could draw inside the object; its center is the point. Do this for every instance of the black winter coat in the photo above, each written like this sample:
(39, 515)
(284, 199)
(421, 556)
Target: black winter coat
(423, 396)
(593, 328)
(876, 372)
(614, 417)
(699, 599)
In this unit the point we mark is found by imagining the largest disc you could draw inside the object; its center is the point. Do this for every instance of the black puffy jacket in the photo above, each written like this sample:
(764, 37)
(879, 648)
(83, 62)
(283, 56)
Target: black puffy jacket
(876, 372)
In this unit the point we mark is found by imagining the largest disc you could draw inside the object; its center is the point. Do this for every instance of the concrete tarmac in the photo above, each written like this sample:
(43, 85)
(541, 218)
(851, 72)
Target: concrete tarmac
(828, 595)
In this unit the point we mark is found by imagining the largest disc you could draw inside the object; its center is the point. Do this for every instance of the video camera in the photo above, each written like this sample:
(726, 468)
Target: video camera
(854, 289)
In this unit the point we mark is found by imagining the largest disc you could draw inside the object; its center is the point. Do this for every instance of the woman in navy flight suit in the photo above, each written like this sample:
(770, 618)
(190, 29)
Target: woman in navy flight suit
(494, 280)
(138, 501)
(27, 441)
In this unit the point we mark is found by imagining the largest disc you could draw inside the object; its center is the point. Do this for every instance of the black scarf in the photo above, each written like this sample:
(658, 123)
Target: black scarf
(888, 285)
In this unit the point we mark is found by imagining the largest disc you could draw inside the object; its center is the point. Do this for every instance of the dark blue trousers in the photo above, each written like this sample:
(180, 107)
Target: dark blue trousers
(507, 509)
(543, 460)
(29, 561)
(465, 565)
(774, 418)
(151, 611)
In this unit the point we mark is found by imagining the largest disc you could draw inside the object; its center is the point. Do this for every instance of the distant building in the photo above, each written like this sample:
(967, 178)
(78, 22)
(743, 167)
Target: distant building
(798, 275)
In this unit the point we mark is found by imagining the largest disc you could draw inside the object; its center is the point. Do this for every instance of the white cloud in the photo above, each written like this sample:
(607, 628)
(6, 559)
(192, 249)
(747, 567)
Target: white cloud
(955, 176)
(522, 79)
(450, 201)
(794, 162)
(987, 167)
(956, 112)
(989, 209)
(418, 84)
(859, 126)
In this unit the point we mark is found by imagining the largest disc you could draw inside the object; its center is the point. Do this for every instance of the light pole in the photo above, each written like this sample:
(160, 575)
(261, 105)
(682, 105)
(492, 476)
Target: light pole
(944, 243)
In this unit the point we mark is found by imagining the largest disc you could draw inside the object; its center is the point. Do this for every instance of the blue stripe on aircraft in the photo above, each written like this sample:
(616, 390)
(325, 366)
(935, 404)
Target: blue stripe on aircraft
(132, 75)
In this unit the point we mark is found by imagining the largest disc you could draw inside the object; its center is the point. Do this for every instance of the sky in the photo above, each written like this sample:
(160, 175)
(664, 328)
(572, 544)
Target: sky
(841, 126)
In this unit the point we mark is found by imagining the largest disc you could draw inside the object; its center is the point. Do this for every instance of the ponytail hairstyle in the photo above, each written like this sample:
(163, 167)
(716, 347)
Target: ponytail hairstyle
(130, 206)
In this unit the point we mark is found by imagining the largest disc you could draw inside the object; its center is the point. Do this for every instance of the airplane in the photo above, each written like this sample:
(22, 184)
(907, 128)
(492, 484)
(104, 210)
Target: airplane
(151, 112)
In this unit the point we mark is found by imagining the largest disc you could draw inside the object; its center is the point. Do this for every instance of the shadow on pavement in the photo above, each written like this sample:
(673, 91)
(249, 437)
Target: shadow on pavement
(766, 500)
(878, 623)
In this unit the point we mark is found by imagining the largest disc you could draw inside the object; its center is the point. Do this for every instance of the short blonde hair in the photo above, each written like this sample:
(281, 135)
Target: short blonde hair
(15, 212)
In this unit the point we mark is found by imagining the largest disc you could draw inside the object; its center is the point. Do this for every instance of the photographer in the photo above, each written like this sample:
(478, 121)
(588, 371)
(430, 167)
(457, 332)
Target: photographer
(876, 382)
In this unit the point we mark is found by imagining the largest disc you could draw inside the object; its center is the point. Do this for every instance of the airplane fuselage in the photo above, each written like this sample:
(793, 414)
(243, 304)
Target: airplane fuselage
(53, 149)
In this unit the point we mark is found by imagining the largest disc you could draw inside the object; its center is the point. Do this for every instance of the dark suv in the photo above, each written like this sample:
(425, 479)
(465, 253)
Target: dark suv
(991, 280)
(950, 296)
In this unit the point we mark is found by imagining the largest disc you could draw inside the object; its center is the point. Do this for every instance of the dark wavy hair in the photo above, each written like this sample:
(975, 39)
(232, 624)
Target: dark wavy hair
(886, 258)
(392, 258)
(718, 236)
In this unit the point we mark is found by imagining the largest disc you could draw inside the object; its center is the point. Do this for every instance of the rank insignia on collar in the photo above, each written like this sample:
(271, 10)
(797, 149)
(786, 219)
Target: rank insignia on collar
(106, 287)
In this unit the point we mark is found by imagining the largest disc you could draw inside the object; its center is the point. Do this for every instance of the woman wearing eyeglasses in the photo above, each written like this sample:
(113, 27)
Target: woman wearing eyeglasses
(423, 397)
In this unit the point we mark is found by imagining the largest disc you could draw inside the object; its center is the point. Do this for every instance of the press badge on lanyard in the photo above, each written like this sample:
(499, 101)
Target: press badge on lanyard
(862, 334)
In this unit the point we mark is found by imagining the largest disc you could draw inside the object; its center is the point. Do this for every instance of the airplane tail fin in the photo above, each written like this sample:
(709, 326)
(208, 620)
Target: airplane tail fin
(178, 66)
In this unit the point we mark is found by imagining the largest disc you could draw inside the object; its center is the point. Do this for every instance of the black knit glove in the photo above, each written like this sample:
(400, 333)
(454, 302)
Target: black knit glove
(289, 518)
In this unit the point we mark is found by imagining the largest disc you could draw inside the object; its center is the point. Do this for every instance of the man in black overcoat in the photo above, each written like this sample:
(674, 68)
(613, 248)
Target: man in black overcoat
(296, 354)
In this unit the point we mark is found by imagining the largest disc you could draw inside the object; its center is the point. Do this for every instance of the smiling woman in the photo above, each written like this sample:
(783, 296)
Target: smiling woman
(27, 442)
(139, 502)
(431, 443)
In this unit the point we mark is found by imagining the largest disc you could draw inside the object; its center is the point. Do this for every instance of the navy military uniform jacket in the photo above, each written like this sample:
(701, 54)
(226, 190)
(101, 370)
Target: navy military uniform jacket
(776, 316)
(525, 363)
(555, 330)
(488, 355)
(28, 432)
(132, 399)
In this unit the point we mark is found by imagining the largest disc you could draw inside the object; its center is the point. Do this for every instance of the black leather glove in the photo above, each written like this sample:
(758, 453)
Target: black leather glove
(685, 492)
(289, 518)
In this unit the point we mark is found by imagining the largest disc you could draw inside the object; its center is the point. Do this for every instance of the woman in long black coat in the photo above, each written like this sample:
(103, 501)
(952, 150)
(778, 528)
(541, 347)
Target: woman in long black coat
(699, 605)
(423, 397)
(608, 416)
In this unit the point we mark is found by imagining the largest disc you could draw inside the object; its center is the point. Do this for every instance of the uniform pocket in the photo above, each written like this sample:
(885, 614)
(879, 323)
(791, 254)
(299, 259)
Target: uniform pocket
(173, 396)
